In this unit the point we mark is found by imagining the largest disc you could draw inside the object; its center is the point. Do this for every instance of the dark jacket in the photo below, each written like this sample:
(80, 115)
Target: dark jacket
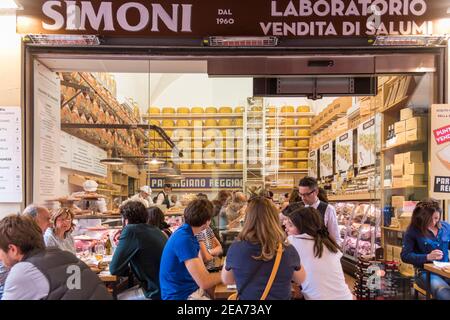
(61, 270)
(140, 246)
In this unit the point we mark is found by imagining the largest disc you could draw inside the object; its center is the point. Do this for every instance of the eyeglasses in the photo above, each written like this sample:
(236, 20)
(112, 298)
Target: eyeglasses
(307, 194)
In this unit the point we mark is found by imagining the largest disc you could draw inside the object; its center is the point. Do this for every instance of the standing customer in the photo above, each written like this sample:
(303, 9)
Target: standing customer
(426, 240)
(140, 246)
(250, 260)
(309, 191)
(60, 234)
(39, 273)
(183, 274)
(320, 255)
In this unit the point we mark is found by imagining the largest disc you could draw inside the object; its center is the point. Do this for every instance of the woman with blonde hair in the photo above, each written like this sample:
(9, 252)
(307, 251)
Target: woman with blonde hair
(60, 233)
(261, 262)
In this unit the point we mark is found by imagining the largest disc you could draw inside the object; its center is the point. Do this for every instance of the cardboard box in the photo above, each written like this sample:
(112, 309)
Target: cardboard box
(399, 158)
(396, 253)
(401, 138)
(397, 170)
(397, 182)
(414, 168)
(400, 127)
(413, 179)
(415, 123)
(397, 201)
(413, 157)
(415, 135)
(406, 114)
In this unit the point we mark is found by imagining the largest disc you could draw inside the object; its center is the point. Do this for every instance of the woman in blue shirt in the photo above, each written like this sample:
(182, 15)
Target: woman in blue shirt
(427, 240)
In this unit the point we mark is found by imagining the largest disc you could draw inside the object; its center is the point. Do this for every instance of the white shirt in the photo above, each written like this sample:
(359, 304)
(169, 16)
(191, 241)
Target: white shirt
(146, 201)
(51, 240)
(330, 221)
(324, 276)
(25, 282)
(160, 199)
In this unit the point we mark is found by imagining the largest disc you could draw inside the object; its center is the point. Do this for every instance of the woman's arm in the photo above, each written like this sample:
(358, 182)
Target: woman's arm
(204, 253)
(227, 276)
(408, 255)
(299, 276)
(217, 248)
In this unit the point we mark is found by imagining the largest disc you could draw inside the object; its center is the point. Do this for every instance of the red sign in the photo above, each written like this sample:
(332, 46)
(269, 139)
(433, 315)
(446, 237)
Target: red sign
(442, 135)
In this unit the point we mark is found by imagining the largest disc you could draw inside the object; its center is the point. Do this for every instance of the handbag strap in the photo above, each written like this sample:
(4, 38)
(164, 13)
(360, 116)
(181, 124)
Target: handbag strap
(274, 272)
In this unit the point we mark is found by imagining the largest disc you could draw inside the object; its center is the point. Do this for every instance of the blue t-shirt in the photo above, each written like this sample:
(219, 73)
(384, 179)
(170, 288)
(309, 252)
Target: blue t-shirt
(254, 274)
(416, 246)
(174, 278)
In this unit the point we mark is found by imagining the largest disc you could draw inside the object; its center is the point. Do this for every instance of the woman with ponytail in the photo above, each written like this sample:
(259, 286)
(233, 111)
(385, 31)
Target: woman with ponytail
(320, 256)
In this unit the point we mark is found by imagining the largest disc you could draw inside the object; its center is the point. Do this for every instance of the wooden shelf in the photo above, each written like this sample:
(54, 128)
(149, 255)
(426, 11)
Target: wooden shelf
(293, 159)
(293, 126)
(291, 114)
(293, 170)
(354, 197)
(203, 127)
(397, 105)
(171, 116)
(392, 229)
(399, 146)
(288, 137)
(407, 187)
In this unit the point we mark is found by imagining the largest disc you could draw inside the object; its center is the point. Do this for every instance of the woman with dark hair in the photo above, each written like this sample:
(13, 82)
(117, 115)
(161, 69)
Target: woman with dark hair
(427, 240)
(295, 196)
(320, 255)
(322, 195)
(156, 219)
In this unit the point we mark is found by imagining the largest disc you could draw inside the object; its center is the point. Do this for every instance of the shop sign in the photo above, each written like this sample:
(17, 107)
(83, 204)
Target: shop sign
(10, 155)
(440, 151)
(200, 183)
(312, 164)
(326, 160)
(201, 18)
(369, 136)
(344, 152)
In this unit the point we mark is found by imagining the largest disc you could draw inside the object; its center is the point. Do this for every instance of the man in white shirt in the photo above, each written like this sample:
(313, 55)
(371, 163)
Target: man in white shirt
(309, 190)
(144, 196)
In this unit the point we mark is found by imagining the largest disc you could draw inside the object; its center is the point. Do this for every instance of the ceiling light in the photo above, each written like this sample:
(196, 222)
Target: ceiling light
(114, 159)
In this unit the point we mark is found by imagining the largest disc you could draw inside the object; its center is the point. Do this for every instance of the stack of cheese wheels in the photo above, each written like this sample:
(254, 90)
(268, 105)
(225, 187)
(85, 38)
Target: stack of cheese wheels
(256, 108)
(304, 121)
(287, 164)
(303, 133)
(183, 110)
(288, 132)
(197, 110)
(225, 110)
(154, 122)
(303, 143)
(210, 123)
(196, 123)
(303, 109)
(285, 109)
(302, 164)
(168, 110)
(303, 154)
(183, 123)
(225, 122)
(239, 109)
(289, 121)
(289, 143)
(238, 122)
(168, 123)
(288, 154)
(153, 110)
(211, 110)
(272, 110)
(272, 121)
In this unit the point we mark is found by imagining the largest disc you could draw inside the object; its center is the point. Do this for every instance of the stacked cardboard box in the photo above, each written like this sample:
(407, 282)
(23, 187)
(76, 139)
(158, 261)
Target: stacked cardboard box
(415, 127)
(408, 169)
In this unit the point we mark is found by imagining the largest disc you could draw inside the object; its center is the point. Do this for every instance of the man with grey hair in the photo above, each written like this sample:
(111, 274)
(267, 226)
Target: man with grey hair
(41, 216)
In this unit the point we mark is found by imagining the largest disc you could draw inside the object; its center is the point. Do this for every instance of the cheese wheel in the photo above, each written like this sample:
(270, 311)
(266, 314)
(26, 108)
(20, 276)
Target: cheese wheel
(302, 164)
(288, 154)
(288, 132)
(211, 123)
(302, 154)
(168, 110)
(239, 110)
(287, 164)
(225, 122)
(257, 108)
(182, 110)
(168, 123)
(287, 109)
(225, 110)
(272, 109)
(289, 121)
(303, 133)
(183, 123)
(303, 121)
(272, 121)
(303, 109)
(289, 143)
(184, 166)
(153, 110)
(303, 143)
(197, 110)
(211, 110)
(239, 122)
(196, 166)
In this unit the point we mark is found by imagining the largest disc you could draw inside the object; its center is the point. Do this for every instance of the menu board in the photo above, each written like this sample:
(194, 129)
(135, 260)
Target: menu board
(312, 164)
(440, 151)
(326, 160)
(368, 141)
(77, 154)
(10, 155)
(344, 151)
(47, 124)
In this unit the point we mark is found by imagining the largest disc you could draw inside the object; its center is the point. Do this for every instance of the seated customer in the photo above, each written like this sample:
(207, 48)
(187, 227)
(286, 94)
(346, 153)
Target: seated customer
(37, 272)
(59, 235)
(251, 259)
(320, 255)
(426, 240)
(210, 247)
(183, 274)
(140, 246)
(156, 219)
